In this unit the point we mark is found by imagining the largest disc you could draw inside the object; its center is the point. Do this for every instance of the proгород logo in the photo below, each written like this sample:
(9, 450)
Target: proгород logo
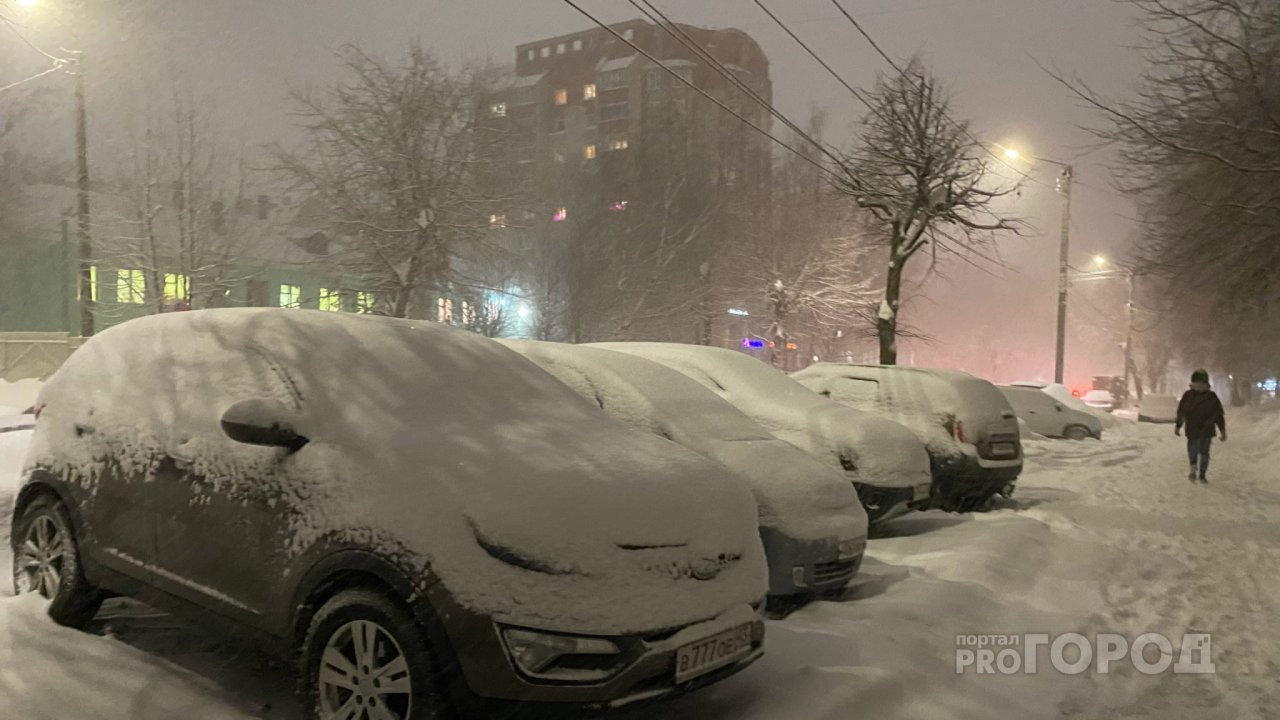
(1073, 653)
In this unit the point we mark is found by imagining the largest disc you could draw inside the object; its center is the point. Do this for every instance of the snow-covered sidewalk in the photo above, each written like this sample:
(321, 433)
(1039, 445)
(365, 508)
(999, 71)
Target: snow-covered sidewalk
(1103, 537)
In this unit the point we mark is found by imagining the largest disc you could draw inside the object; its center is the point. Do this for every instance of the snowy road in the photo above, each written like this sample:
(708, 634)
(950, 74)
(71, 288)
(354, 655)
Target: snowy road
(1104, 537)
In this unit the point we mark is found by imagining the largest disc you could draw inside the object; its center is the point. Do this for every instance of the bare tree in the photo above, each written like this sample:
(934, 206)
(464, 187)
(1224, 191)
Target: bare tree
(396, 154)
(925, 180)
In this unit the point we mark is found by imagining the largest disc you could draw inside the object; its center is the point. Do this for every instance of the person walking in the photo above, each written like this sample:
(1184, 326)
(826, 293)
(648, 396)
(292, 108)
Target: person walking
(1200, 411)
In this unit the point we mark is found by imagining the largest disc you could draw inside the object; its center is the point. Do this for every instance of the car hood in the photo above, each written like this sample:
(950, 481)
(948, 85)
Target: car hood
(872, 449)
(797, 495)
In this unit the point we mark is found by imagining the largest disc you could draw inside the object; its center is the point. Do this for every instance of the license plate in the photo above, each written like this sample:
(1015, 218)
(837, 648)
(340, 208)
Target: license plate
(700, 658)
(1004, 449)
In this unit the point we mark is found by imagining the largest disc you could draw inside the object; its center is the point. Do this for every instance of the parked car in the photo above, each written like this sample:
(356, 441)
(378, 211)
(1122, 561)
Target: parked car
(968, 427)
(884, 461)
(813, 527)
(1158, 409)
(420, 515)
(1047, 416)
(1100, 400)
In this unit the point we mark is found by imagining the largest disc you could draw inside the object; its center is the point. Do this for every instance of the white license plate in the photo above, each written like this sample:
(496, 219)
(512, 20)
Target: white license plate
(1004, 449)
(700, 658)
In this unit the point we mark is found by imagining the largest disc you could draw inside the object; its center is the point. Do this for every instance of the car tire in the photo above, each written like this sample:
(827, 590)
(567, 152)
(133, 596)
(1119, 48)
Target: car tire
(1077, 432)
(340, 668)
(46, 559)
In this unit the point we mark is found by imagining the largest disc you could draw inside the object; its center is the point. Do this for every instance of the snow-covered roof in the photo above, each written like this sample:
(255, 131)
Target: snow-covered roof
(520, 81)
(796, 493)
(615, 64)
(883, 452)
(446, 443)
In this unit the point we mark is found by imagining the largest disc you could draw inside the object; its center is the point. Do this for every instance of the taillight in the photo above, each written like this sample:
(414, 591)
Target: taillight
(959, 431)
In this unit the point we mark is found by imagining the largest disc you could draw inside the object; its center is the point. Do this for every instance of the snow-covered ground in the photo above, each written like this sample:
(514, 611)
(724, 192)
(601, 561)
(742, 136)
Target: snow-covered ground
(1103, 537)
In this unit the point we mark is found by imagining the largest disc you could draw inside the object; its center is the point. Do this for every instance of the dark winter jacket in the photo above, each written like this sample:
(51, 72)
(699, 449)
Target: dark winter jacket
(1200, 411)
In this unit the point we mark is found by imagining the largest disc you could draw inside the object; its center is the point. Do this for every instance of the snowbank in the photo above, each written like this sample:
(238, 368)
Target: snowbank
(882, 452)
(19, 395)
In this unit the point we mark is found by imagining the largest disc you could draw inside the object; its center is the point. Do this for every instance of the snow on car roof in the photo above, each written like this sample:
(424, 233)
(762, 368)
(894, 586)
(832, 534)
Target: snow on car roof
(883, 451)
(439, 440)
(796, 493)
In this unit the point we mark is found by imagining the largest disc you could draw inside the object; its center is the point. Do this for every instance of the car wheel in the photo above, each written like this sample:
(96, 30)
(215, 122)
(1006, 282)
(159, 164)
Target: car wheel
(365, 657)
(1076, 432)
(46, 560)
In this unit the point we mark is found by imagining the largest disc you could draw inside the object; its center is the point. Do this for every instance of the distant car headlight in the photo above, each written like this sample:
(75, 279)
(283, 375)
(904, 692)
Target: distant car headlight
(537, 653)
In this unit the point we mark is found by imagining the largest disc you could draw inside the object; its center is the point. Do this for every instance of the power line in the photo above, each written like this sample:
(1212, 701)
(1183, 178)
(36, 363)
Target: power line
(815, 56)
(700, 91)
(680, 36)
(866, 35)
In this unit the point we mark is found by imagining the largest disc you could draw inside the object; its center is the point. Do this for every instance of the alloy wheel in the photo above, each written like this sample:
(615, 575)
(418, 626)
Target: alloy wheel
(41, 555)
(364, 675)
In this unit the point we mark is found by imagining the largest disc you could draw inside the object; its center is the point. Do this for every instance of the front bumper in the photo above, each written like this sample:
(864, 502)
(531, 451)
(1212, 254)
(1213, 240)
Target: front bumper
(885, 503)
(647, 664)
(800, 567)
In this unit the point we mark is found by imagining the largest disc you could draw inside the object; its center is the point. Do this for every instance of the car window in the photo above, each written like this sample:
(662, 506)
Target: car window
(856, 391)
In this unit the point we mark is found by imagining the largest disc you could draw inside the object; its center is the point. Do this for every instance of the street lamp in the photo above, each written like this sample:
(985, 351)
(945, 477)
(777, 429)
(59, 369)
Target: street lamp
(1064, 251)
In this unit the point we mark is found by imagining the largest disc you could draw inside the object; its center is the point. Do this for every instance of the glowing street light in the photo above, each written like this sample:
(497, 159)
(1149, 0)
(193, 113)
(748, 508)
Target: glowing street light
(1012, 154)
(28, 3)
(1100, 261)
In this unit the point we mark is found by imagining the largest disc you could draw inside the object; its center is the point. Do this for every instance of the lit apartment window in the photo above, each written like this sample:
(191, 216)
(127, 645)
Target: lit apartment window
(498, 110)
(444, 310)
(562, 97)
(588, 91)
(468, 313)
(330, 300)
(560, 214)
(131, 286)
(589, 152)
(618, 143)
(176, 286)
(531, 55)
(546, 52)
(560, 49)
(290, 296)
(577, 44)
(618, 205)
(364, 302)
(497, 220)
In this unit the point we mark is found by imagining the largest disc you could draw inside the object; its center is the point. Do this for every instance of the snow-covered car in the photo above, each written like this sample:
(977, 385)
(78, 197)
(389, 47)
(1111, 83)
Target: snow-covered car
(813, 527)
(1045, 415)
(967, 426)
(1158, 409)
(1100, 400)
(884, 461)
(419, 515)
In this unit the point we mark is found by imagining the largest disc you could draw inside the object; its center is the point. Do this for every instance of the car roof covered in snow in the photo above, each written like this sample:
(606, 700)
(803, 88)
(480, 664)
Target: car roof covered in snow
(884, 452)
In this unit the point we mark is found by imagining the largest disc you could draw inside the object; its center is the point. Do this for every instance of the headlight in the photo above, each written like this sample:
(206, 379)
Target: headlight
(852, 548)
(537, 653)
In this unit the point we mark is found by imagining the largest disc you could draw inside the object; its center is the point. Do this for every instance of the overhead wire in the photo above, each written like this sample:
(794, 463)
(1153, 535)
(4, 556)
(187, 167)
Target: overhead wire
(822, 168)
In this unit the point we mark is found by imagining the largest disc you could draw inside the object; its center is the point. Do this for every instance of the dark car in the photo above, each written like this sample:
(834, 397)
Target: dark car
(423, 516)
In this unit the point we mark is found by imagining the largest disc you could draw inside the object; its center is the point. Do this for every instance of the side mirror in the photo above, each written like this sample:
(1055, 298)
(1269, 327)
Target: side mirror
(260, 421)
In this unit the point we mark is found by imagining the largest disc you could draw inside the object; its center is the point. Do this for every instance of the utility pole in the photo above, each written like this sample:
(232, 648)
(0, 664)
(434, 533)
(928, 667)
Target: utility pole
(1064, 253)
(1128, 337)
(87, 310)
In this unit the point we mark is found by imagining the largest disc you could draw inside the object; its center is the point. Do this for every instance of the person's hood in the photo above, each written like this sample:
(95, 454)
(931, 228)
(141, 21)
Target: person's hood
(1200, 386)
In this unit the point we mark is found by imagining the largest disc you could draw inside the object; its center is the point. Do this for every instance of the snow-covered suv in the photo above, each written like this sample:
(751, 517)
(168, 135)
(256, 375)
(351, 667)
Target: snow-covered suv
(422, 515)
(813, 527)
(884, 460)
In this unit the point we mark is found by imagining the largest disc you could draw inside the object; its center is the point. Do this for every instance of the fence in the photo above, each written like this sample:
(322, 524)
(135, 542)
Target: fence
(34, 354)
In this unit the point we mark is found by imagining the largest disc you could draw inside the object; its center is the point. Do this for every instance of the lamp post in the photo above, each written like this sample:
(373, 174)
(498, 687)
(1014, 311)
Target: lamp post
(1101, 272)
(1064, 254)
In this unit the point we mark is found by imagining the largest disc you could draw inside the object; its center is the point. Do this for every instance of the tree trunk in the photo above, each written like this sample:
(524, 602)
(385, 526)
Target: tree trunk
(887, 322)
